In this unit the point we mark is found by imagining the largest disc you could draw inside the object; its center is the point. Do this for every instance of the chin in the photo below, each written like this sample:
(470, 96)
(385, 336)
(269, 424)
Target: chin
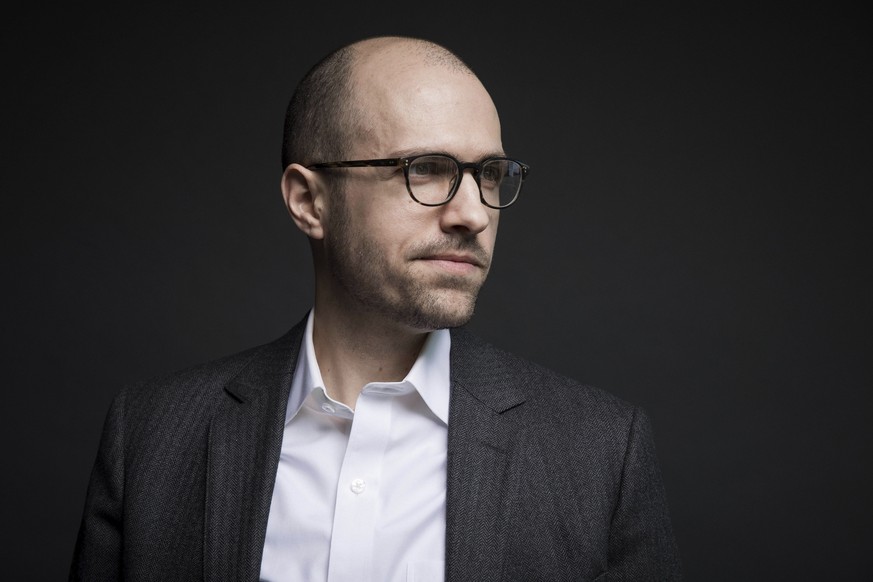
(442, 311)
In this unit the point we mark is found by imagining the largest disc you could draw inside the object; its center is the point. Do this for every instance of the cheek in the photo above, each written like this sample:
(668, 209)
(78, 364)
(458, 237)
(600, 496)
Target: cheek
(402, 220)
(392, 232)
(490, 234)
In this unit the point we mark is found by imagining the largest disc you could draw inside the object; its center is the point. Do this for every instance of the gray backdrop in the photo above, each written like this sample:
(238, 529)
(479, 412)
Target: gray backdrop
(693, 238)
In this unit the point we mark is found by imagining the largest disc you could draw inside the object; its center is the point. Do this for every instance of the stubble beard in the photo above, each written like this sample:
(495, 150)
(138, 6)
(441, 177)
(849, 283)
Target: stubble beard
(406, 298)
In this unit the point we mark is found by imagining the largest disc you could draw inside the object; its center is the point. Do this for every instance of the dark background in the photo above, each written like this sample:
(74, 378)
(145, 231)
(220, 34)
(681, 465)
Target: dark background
(693, 238)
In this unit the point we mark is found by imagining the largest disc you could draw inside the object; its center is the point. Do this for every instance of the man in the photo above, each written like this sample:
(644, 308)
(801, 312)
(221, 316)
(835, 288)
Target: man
(378, 440)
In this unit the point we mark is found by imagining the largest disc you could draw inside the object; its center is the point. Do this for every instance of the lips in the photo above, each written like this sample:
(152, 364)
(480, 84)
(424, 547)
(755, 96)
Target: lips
(455, 258)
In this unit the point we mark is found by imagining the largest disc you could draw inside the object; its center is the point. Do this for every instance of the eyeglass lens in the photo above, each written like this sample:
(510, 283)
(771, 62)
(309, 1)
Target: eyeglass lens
(432, 178)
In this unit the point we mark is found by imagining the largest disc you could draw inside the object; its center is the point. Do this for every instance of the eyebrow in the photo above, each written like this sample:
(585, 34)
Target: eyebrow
(422, 151)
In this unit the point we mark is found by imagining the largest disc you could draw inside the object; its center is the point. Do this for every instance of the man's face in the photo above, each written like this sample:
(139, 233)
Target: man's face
(413, 265)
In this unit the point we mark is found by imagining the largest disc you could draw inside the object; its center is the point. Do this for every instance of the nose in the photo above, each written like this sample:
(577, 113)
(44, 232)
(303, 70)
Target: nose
(465, 211)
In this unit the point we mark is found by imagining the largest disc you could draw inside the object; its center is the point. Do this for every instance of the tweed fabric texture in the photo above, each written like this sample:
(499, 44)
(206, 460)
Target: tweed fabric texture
(548, 479)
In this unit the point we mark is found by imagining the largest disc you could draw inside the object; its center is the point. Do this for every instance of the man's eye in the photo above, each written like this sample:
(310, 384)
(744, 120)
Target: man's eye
(431, 167)
(423, 168)
(491, 173)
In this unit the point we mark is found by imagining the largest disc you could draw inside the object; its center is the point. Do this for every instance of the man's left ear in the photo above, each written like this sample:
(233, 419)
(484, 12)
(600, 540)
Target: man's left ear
(303, 199)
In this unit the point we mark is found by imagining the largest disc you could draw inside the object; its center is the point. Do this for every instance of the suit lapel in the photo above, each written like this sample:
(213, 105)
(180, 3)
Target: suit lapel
(481, 438)
(245, 439)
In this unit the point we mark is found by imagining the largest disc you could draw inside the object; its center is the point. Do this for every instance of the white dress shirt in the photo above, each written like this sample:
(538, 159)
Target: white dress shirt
(360, 495)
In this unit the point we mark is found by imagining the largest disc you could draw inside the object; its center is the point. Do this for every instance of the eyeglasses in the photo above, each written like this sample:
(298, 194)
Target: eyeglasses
(433, 179)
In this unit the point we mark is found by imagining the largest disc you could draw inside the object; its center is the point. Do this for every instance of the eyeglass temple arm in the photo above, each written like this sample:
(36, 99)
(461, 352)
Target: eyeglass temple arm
(357, 163)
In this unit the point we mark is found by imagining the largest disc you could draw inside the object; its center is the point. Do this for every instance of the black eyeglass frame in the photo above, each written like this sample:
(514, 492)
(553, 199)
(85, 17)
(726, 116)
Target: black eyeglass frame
(405, 163)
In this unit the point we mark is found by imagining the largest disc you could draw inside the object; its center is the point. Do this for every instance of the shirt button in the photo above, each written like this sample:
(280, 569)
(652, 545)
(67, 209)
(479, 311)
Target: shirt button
(328, 408)
(357, 486)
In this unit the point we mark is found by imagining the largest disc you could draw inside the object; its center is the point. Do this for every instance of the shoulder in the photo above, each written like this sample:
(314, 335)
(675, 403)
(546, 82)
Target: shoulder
(196, 388)
(548, 394)
(198, 377)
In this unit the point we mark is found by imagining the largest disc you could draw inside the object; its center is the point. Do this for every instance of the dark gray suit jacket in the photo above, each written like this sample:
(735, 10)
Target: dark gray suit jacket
(547, 479)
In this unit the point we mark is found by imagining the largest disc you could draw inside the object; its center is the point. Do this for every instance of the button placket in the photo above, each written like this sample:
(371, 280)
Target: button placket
(355, 514)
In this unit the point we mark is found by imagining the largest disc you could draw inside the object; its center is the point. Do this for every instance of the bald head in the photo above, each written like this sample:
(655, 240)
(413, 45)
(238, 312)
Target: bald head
(415, 49)
(322, 115)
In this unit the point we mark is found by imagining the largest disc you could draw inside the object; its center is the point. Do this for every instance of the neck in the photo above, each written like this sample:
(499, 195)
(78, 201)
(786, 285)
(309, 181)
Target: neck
(354, 348)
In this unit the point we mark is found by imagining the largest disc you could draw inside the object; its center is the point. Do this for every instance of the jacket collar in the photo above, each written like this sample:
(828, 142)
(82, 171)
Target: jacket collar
(481, 436)
(245, 439)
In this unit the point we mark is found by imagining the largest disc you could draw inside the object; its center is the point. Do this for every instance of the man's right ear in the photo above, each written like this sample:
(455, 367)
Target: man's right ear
(304, 199)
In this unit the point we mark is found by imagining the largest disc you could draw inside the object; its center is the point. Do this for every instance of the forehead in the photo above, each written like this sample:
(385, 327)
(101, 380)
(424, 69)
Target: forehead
(409, 103)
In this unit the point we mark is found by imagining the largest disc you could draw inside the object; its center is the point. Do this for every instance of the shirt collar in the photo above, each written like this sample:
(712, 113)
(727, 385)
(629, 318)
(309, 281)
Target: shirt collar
(429, 375)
